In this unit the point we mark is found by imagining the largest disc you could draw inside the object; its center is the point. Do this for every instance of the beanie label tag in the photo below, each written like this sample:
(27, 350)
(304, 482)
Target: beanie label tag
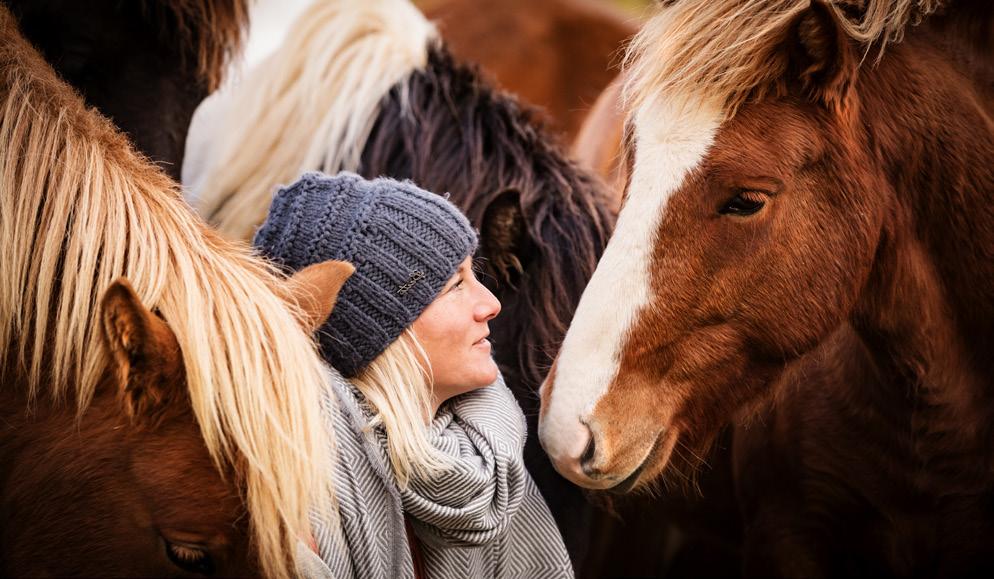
(416, 276)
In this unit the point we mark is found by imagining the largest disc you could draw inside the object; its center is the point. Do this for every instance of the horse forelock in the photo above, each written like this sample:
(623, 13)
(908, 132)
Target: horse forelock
(449, 131)
(312, 104)
(212, 31)
(78, 210)
(733, 51)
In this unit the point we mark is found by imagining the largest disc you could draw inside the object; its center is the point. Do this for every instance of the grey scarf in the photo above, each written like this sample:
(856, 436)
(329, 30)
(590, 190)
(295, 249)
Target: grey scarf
(483, 517)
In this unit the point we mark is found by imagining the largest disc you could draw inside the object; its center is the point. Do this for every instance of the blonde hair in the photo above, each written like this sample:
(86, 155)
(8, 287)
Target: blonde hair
(79, 209)
(397, 384)
(310, 106)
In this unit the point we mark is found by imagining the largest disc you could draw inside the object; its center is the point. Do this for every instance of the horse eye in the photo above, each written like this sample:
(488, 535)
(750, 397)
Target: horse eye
(745, 203)
(189, 558)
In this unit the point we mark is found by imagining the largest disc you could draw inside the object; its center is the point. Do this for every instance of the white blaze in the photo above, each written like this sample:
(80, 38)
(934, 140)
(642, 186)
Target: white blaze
(671, 136)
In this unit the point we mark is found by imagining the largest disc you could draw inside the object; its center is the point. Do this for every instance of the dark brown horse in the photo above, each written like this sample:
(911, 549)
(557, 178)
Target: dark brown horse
(807, 233)
(145, 64)
(555, 54)
(205, 358)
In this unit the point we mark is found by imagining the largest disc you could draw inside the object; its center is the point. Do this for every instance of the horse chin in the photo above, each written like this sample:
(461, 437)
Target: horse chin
(652, 467)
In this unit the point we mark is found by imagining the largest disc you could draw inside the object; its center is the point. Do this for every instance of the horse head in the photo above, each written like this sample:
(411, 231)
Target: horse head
(132, 490)
(766, 206)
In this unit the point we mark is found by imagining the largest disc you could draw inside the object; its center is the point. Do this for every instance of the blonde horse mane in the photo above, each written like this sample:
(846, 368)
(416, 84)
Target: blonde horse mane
(731, 50)
(310, 106)
(78, 209)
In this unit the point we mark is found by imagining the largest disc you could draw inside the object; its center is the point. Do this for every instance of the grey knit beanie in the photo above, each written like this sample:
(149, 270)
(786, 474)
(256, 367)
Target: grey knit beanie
(404, 242)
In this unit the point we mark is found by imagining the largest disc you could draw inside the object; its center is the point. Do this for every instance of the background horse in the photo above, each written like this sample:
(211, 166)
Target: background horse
(146, 65)
(804, 229)
(79, 209)
(599, 145)
(556, 54)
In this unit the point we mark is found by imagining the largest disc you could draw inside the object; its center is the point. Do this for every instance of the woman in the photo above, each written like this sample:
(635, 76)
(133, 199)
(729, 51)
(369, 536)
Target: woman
(429, 475)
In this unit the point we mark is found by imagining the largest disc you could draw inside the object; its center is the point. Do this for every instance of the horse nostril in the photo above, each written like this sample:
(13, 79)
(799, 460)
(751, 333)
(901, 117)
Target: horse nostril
(588, 454)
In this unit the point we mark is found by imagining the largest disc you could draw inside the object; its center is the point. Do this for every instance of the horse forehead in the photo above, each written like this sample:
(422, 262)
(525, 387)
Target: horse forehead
(768, 137)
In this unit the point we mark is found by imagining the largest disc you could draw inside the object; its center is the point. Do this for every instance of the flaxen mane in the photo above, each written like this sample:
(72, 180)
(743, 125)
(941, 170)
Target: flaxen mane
(731, 51)
(311, 105)
(78, 209)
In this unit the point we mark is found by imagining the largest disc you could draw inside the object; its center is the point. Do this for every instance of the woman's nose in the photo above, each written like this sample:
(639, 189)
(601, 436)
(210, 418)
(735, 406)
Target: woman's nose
(488, 307)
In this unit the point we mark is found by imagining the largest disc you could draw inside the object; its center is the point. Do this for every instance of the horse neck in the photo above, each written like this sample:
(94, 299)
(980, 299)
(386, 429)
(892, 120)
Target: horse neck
(927, 313)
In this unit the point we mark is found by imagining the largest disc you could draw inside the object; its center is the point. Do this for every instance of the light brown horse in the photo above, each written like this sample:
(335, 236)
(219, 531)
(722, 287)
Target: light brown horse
(129, 488)
(556, 54)
(792, 194)
(599, 145)
(78, 210)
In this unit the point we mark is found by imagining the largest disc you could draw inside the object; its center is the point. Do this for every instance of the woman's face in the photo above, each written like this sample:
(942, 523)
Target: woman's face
(453, 330)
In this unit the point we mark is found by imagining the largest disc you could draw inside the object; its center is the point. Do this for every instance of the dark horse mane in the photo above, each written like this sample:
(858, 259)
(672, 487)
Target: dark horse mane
(492, 157)
(144, 64)
(211, 30)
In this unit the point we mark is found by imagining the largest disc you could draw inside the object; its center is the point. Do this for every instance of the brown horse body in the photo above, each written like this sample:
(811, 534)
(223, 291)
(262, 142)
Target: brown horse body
(599, 144)
(879, 457)
(556, 54)
(820, 254)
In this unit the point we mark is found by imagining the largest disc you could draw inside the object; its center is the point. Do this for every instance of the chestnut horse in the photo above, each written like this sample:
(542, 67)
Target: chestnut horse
(78, 210)
(146, 64)
(556, 54)
(78, 493)
(599, 145)
(805, 223)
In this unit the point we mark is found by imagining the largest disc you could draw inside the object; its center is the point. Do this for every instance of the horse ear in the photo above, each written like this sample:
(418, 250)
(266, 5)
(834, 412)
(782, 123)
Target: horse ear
(315, 289)
(145, 354)
(504, 237)
(823, 60)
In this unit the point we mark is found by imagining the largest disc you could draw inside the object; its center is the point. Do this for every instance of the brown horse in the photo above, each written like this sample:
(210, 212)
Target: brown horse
(146, 65)
(78, 210)
(556, 54)
(599, 145)
(129, 488)
(807, 224)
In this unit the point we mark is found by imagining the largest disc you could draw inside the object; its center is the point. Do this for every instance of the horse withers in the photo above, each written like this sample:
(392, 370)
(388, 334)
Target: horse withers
(809, 226)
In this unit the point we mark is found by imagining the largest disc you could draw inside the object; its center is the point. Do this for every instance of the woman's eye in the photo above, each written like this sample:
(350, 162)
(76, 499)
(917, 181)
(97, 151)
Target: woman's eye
(745, 203)
(190, 558)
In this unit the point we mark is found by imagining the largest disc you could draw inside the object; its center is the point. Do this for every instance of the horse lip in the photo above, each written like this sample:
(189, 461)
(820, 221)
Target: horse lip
(630, 481)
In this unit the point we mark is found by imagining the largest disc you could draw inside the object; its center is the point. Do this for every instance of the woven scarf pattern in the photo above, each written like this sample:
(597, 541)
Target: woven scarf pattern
(483, 517)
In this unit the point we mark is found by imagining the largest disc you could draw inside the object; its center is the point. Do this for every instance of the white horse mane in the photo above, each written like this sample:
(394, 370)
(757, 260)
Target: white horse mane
(309, 106)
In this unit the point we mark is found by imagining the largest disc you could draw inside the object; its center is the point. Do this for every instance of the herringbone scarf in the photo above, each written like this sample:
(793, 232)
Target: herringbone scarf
(483, 517)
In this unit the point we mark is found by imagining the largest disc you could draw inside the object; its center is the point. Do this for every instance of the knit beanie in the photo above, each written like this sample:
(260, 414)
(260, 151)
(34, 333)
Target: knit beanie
(404, 242)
